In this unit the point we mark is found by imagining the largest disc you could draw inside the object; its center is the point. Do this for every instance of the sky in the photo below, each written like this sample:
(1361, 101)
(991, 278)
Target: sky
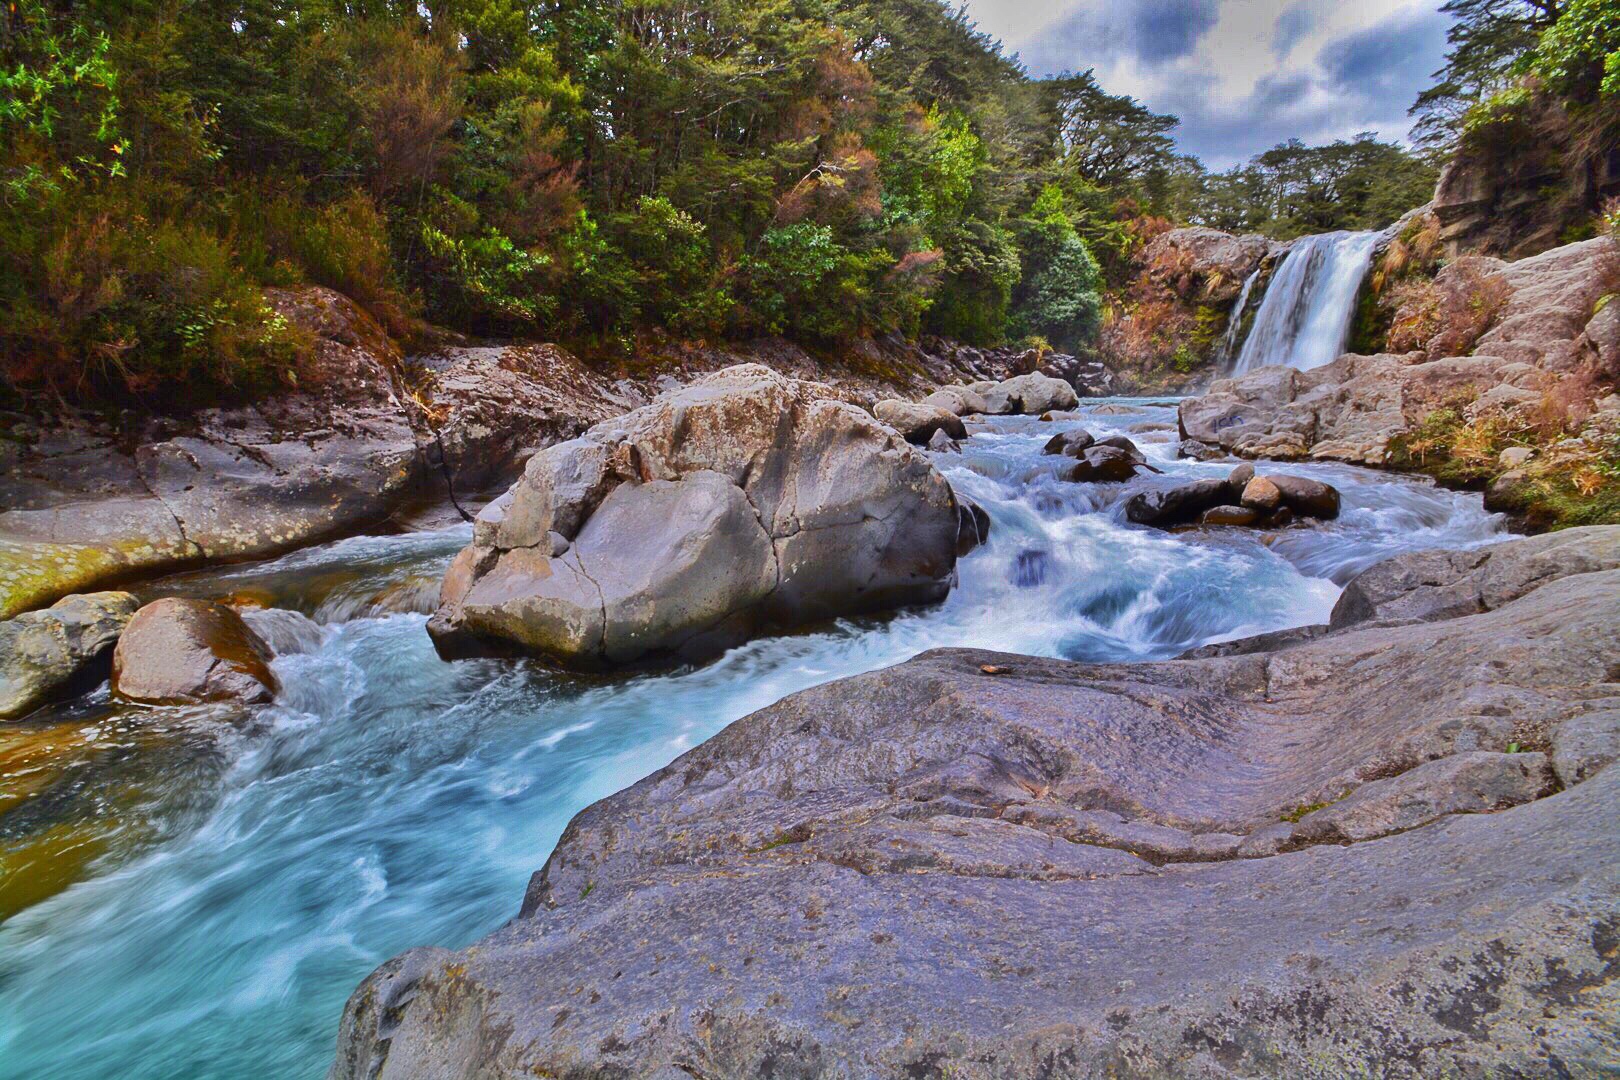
(1243, 75)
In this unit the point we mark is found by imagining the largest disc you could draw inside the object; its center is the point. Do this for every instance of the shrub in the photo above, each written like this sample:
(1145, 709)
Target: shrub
(1446, 316)
(343, 245)
(123, 304)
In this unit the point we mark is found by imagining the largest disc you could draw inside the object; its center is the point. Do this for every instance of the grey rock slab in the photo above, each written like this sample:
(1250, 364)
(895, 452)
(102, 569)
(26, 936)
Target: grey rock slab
(1584, 745)
(1078, 870)
(1470, 783)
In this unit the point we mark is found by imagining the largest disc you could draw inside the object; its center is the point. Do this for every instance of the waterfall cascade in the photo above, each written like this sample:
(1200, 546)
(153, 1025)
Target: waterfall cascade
(1234, 324)
(1305, 316)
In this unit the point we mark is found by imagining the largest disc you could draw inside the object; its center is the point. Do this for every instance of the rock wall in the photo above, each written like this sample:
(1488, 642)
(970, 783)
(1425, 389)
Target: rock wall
(1164, 331)
(1264, 862)
(1520, 187)
(1485, 336)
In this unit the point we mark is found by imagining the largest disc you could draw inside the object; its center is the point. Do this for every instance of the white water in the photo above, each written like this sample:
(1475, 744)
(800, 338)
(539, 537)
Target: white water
(1305, 316)
(388, 799)
(1234, 322)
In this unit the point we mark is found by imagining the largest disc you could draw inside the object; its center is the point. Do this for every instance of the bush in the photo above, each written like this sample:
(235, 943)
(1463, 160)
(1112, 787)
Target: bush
(670, 252)
(1058, 296)
(343, 245)
(1446, 316)
(123, 304)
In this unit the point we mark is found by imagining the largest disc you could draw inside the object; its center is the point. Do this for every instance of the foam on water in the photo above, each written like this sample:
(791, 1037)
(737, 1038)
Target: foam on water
(388, 799)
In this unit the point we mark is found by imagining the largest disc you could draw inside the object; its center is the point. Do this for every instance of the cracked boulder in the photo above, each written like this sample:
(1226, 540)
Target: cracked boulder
(743, 501)
(179, 651)
(1317, 855)
(45, 654)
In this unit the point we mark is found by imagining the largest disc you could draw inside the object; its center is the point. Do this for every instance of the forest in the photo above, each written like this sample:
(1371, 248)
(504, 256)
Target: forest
(590, 172)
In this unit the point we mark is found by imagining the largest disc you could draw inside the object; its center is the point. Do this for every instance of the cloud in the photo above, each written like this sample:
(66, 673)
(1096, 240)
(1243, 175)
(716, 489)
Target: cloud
(1292, 25)
(1243, 75)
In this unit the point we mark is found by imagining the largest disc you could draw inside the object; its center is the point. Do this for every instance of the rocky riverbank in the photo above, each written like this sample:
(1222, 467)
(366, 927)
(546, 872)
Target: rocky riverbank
(371, 433)
(979, 864)
(1508, 382)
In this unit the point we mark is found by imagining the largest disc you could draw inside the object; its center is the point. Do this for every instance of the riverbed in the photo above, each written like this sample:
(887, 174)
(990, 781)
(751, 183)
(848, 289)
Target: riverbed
(231, 877)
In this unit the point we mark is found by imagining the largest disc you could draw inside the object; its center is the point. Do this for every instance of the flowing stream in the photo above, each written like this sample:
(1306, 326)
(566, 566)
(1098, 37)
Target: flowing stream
(269, 861)
(1305, 315)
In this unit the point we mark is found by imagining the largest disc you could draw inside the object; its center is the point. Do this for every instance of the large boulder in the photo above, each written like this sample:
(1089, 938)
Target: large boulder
(959, 400)
(983, 865)
(918, 424)
(362, 434)
(742, 501)
(1029, 395)
(179, 651)
(45, 654)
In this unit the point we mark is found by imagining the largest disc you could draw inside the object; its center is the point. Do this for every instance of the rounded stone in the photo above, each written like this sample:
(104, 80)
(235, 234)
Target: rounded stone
(179, 651)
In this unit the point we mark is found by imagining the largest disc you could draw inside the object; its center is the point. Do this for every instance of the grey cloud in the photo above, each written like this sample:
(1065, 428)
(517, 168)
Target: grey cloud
(1397, 55)
(1294, 23)
(1360, 81)
(1151, 31)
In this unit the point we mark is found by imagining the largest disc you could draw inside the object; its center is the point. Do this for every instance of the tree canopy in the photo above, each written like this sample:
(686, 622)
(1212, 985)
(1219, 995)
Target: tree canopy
(581, 170)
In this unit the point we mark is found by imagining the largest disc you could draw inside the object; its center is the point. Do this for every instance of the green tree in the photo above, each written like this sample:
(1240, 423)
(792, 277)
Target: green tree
(1058, 297)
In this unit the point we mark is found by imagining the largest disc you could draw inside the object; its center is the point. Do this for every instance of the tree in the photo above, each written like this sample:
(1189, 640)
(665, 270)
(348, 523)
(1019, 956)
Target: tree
(1488, 39)
(1108, 139)
(1058, 297)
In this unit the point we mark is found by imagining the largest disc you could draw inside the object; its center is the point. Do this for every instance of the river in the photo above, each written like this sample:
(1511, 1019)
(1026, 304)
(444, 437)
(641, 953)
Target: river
(256, 867)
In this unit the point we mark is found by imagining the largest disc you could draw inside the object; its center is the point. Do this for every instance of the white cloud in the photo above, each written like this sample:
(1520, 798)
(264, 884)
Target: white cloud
(1242, 74)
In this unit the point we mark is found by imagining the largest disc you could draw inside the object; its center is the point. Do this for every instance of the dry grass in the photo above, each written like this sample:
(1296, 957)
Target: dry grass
(1447, 316)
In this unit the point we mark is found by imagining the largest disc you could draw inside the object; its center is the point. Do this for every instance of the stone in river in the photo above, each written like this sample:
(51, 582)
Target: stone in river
(917, 424)
(45, 654)
(1070, 442)
(179, 651)
(1228, 515)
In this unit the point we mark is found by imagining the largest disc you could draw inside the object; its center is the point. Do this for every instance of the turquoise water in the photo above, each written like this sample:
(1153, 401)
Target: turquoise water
(388, 799)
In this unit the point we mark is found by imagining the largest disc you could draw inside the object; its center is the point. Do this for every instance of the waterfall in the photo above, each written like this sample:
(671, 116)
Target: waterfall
(1305, 315)
(1234, 322)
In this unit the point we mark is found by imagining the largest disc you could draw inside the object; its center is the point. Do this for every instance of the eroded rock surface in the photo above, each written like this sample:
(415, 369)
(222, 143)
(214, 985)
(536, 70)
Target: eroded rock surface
(745, 499)
(84, 504)
(43, 654)
(982, 865)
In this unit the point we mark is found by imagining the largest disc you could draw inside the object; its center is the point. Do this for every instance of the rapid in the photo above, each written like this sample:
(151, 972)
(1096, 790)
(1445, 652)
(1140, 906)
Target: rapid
(262, 864)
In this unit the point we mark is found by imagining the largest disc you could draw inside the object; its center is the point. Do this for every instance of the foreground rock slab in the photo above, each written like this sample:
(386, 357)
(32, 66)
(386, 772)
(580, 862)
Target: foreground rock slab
(179, 651)
(982, 865)
(45, 654)
(744, 500)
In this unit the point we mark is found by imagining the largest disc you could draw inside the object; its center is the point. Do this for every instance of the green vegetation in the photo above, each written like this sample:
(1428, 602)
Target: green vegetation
(577, 170)
(1293, 189)
(1572, 477)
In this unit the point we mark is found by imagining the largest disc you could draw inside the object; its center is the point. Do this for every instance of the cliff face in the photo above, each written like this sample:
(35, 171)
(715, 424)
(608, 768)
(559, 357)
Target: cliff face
(1524, 185)
(1167, 329)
